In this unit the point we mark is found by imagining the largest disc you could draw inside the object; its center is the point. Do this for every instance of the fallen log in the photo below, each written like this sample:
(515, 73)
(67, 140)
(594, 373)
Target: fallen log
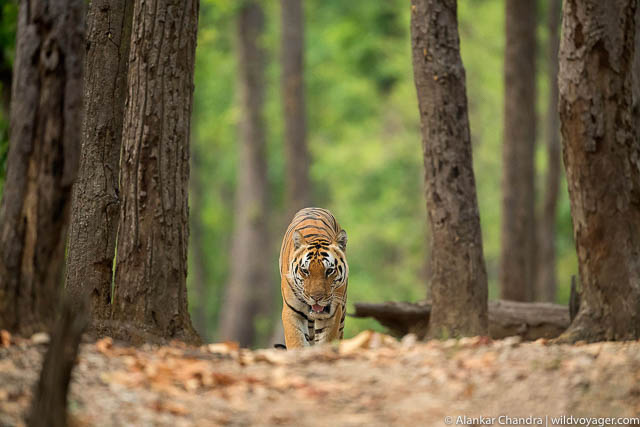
(530, 321)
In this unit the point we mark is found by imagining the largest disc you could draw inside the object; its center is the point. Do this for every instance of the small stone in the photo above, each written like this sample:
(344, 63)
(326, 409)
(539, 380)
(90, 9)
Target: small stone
(409, 340)
(40, 338)
(513, 341)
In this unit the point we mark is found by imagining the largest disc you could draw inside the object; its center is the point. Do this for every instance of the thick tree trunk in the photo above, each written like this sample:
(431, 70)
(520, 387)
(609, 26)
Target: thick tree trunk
(458, 275)
(96, 204)
(247, 292)
(150, 295)
(506, 318)
(545, 289)
(42, 162)
(517, 256)
(602, 160)
(297, 186)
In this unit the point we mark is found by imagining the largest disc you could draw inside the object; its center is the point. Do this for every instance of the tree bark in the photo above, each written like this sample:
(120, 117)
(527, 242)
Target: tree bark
(298, 188)
(459, 279)
(42, 161)
(636, 75)
(545, 289)
(247, 292)
(96, 204)
(150, 295)
(517, 256)
(602, 161)
(506, 318)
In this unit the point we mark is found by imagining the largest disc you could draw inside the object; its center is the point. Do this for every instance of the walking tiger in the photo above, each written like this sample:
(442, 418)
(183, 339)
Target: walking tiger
(313, 278)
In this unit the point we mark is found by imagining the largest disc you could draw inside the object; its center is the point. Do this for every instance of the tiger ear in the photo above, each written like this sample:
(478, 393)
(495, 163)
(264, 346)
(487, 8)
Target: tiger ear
(341, 240)
(298, 240)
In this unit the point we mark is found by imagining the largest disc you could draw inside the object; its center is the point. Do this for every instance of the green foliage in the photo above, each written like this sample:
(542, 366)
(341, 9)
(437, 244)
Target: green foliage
(363, 130)
(8, 24)
(364, 136)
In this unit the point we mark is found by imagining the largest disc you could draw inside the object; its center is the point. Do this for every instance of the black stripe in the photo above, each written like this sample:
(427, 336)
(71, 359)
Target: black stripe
(309, 226)
(325, 223)
(299, 312)
(318, 331)
(291, 287)
(321, 214)
(313, 235)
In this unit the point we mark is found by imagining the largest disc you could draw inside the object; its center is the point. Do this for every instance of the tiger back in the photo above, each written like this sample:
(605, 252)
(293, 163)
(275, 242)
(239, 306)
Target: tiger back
(313, 278)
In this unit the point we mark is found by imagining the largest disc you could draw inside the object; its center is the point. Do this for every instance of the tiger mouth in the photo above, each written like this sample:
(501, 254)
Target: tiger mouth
(318, 309)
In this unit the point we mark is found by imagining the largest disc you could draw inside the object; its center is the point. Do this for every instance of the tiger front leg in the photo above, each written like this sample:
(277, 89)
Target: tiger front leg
(295, 329)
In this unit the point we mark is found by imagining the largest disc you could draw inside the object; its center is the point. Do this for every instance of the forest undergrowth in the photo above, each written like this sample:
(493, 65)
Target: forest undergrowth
(371, 379)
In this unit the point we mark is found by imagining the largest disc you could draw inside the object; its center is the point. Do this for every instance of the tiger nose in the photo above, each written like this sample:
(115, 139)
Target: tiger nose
(317, 296)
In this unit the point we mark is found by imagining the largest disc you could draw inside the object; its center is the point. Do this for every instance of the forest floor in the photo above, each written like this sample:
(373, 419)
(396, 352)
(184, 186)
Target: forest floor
(370, 380)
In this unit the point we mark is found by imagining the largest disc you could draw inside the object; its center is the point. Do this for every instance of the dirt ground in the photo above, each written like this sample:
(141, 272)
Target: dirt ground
(371, 380)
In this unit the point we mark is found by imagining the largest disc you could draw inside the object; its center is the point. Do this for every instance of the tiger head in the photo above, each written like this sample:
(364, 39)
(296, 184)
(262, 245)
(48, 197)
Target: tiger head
(318, 269)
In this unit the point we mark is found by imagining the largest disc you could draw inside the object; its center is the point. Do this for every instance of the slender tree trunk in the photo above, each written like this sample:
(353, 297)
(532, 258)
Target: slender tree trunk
(199, 270)
(517, 265)
(636, 76)
(297, 186)
(150, 295)
(95, 208)
(459, 279)
(546, 275)
(246, 294)
(42, 162)
(49, 403)
(602, 161)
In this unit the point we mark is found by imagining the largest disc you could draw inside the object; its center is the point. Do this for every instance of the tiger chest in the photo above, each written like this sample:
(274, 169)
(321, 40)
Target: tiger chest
(318, 331)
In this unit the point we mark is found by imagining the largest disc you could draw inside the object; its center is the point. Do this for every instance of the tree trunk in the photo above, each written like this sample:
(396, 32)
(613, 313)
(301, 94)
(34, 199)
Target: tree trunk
(636, 76)
(459, 279)
(517, 256)
(602, 161)
(95, 207)
(150, 295)
(545, 289)
(42, 162)
(49, 403)
(298, 187)
(247, 292)
(297, 156)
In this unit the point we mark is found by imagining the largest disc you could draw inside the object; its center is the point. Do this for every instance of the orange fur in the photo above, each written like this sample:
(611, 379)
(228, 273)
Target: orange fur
(314, 273)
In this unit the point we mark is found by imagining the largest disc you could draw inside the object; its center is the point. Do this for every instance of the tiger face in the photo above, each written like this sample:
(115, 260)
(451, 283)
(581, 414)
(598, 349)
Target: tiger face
(317, 270)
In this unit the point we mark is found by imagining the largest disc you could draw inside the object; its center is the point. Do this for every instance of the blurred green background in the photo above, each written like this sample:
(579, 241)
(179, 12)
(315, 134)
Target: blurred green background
(363, 133)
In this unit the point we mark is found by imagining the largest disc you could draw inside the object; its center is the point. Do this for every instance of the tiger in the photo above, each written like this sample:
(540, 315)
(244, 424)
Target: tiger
(313, 279)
